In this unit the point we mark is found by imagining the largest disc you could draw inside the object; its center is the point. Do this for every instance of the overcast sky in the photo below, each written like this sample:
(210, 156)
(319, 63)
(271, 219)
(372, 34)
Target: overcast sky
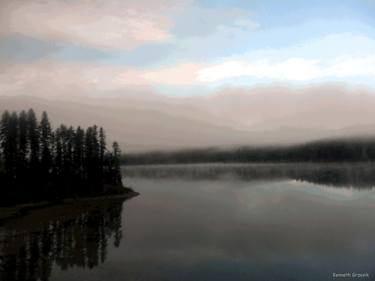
(182, 47)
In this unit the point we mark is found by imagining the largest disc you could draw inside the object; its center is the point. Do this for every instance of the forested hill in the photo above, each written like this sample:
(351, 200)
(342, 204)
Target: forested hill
(334, 150)
(39, 163)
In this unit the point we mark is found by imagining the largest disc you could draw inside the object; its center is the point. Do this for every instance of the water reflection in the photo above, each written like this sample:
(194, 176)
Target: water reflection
(239, 230)
(62, 236)
(360, 176)
(206, 222)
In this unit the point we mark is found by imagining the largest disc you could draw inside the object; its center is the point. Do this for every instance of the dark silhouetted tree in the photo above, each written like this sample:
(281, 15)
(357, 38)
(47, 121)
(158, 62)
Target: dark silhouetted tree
(102, 145)
(79, 155)
(116, 164)
(45, 146)
(34, 140)
(37, 163)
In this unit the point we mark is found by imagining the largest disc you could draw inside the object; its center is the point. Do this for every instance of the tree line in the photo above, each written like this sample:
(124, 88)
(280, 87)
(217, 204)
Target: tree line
(334, 150)
(39, 163)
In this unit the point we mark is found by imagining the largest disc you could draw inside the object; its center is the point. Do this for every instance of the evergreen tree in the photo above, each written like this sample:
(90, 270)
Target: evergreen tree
(33, 136)
(102, 145)
(116, 166)
(13, 146)
(23, 148)
(5, 156)
(78, 154)
(89, 156)
(45, 146)
(58, 163)
(22, 138)
(68, 158)
(37, 163)
(8, 137)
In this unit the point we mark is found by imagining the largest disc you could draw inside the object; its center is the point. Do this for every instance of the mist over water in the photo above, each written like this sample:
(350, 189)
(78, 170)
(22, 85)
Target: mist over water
(211, 222)
(350, 175)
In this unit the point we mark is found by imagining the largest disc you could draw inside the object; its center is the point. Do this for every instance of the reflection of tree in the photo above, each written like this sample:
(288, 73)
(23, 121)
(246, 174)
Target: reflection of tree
(80, 240)
(355, 177)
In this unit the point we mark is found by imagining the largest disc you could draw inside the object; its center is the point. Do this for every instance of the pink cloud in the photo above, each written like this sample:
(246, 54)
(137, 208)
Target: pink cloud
(113, 24)
(53, 78)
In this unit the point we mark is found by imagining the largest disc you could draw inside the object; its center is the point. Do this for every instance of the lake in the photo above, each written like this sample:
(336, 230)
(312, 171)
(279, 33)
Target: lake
(206, 222)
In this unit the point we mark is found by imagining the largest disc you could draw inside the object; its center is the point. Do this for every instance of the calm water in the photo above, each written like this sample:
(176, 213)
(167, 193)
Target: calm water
(206, 222)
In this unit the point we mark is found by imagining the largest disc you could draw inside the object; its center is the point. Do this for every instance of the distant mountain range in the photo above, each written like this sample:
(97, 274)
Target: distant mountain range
(231, 117)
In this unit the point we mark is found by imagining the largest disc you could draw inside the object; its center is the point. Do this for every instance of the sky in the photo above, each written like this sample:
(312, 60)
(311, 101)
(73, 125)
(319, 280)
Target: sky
(68, 48)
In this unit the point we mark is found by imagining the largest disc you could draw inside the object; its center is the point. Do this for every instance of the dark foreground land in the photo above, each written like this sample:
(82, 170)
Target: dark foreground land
(64, 206)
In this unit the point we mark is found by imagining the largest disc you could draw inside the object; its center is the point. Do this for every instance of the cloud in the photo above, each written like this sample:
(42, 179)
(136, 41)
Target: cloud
(313, 62)
(197, 21)
(25, 49)
(335, 57)
(49, 77)
(114, 24)
(182, 74)
(184, 27)
(54, 78)
(214, 34)
(297, 69)
(352, 66)
(292, 69)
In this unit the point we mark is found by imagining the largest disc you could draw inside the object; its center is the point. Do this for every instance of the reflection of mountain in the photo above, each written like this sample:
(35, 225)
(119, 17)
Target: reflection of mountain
(30, 246)
(337, 175)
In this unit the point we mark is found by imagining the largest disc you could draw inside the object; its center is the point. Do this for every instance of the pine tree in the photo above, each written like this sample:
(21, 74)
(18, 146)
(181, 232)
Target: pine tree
(37, 163)
(22, 140)
(4, 133)
(102, 145)
(116, 172)
(33, 135)
(23, 148)
(96, 153)
(13, 145)
(45, 146)
(68, 159)
(6, 157)
(89, 158)
(8, 137)
(78, 154)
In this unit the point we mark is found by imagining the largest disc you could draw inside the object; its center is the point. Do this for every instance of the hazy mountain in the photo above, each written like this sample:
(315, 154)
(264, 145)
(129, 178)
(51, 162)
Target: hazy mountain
(231, 117)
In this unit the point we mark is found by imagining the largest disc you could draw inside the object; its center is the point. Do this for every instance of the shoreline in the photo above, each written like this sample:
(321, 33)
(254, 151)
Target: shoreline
(256, 164)
(17, 211)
